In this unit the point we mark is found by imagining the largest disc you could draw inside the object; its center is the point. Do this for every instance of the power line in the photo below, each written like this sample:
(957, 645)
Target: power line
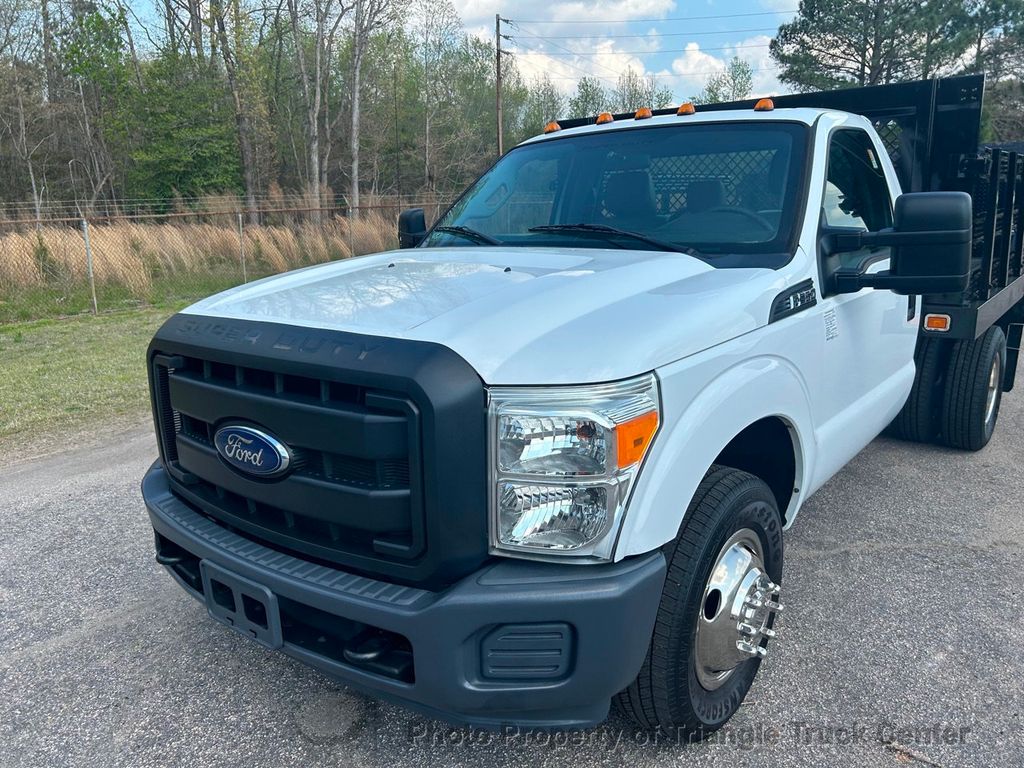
(659, 75)
(656, 52)
(653, 34)
(646, 21)
(582, 71)
(567, 50)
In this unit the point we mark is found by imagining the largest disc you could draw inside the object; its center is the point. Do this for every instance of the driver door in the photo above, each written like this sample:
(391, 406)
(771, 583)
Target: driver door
(869, 335)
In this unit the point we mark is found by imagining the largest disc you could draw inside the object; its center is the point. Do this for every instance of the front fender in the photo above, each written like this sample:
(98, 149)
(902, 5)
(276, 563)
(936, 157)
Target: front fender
(697, 428)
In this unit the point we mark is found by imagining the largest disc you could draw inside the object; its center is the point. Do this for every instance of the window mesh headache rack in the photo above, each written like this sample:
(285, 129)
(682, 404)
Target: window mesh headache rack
(931, 130)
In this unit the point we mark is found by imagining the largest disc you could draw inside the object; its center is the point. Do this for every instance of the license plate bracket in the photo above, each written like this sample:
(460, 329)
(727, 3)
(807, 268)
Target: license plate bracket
(242, 604)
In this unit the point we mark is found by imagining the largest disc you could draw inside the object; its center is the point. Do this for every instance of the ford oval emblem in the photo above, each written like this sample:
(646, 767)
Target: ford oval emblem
(251, 451)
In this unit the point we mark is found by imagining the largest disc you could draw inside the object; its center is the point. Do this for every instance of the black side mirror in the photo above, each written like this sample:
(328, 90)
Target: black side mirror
(412, 227)
(931, 246)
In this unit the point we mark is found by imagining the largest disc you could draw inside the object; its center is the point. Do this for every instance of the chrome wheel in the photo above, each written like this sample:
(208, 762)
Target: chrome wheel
(737, 607)
(993, 390)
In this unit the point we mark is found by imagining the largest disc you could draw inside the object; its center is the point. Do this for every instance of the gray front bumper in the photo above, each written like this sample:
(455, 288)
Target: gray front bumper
(609, 611)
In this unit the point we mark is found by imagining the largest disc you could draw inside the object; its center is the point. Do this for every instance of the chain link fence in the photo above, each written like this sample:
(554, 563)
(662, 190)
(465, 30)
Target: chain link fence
(69, 265)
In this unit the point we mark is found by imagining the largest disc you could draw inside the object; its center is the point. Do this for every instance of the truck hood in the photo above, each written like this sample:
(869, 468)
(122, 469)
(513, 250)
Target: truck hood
(521, 315)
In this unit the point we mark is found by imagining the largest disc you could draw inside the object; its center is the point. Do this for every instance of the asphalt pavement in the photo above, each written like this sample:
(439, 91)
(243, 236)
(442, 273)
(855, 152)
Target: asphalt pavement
(902, 642)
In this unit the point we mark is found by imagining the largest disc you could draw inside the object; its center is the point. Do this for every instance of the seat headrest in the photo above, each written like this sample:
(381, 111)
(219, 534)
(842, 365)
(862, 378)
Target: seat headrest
(704, 194)
(629, 195)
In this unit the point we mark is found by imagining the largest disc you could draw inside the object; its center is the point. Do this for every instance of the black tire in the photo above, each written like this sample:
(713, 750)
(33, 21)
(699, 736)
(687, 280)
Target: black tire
(965, 406)
(666, 694)
(917, 421)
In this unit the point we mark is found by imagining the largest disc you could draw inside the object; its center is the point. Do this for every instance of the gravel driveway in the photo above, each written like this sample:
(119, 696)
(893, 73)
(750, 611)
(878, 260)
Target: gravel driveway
(902, 641)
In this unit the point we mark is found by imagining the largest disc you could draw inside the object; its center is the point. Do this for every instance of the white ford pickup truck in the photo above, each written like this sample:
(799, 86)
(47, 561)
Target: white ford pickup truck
(543, 457)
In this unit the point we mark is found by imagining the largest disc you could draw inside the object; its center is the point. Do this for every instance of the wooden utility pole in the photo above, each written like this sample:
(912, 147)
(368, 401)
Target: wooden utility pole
(497, 82)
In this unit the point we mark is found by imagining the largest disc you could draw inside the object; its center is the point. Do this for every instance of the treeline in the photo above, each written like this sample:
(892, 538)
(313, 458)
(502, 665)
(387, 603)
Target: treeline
(263, 100)
(838, 44)
(323, 102)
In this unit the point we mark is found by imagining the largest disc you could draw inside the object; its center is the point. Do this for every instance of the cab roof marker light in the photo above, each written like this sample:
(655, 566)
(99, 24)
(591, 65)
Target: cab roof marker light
(604, 117)
(552, 127)
(686, 108)
(764, 105)
(643, 113)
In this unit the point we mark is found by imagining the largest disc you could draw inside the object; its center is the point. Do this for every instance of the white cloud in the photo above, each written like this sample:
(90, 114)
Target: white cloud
(696, 63)
(472, 12)
(606, 63)
(611, 10)
(476, 12)
(481, 33)
(754, 51)
(692, 69)
(603, 56)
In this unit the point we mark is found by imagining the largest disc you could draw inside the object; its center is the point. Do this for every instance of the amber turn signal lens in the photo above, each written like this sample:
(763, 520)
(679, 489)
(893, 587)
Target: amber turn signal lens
(686, 108)
(764, 105)
(552, 127)
(937, 322)
(643, 113)
(634, 437)
(604, 117)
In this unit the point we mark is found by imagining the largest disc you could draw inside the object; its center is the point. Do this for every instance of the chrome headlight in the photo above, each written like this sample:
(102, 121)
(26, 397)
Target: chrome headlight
(563, 461)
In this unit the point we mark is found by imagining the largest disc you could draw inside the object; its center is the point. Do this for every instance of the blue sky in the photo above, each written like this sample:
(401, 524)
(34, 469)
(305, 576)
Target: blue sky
(681, 43)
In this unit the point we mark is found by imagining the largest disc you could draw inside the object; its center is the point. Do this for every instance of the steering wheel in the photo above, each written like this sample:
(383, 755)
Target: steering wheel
(761, 221)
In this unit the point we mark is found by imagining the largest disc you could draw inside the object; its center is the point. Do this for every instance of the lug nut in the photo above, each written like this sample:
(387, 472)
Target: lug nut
(744, 647)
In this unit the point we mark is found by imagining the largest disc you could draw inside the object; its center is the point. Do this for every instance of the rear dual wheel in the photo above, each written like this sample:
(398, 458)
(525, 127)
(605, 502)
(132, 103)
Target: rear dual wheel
(957, 392)
(917, 420)
(717, 609)
(974, 391)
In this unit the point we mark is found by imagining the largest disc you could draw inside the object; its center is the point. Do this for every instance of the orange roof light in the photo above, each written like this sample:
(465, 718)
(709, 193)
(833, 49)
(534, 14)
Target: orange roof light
(552, 127)
(764, 105)
(604, 117)
(937, 323)
(686, 108)
(634, 437)
(643, 113)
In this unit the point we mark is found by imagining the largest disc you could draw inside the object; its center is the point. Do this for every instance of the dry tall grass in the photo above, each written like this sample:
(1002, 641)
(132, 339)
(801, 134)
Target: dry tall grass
(134, 254)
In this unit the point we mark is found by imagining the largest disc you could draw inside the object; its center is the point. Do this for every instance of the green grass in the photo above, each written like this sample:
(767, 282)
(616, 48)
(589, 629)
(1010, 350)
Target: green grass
(60, 377)
(63, 300)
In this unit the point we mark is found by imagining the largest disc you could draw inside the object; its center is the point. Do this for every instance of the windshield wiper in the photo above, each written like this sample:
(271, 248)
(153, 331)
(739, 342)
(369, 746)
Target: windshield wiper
(469, 233)
(601, 229)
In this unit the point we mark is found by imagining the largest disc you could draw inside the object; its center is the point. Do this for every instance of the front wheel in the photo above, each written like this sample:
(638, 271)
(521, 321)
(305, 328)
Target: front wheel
(717, 609)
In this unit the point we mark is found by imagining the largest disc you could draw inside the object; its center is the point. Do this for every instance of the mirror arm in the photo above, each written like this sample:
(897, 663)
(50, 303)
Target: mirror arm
(851, 281)
(855, 241)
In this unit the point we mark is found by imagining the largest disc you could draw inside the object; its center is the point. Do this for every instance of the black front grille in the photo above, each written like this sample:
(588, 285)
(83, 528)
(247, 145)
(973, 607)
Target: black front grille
(347, 470)
(388, 477)
(354, 483)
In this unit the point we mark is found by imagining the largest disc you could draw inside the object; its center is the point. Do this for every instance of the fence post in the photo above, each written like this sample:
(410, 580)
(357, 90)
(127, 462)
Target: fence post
(241, 249)
(349, 218)
(88, 265)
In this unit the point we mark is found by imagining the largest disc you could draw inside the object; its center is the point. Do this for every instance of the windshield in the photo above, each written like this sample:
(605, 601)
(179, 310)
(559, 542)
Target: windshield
(714, 187)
